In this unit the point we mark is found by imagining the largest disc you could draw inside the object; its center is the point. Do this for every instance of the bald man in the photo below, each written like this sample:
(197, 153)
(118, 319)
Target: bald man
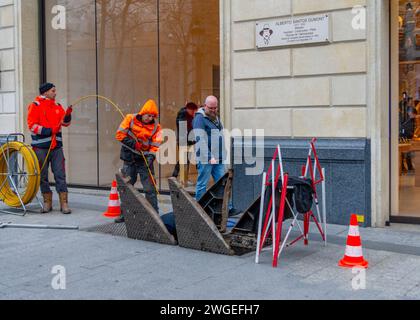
(210, 155)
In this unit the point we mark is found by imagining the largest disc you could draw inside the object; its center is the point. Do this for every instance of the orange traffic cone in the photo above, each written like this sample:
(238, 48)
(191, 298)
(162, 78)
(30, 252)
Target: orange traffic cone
(114, 205)
(354, 253)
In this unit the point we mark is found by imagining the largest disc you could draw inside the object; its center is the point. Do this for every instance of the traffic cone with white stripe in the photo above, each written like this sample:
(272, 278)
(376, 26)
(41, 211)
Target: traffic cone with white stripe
(354, 253)
(114, 205)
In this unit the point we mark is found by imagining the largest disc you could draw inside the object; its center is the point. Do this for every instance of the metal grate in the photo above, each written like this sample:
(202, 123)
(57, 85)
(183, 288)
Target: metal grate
(113, 229)
(195, 229)
(141, 219)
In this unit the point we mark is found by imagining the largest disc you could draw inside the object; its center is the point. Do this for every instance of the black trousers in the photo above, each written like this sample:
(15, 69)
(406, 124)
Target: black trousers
(177, 168)
(140, 168)
(129, 170)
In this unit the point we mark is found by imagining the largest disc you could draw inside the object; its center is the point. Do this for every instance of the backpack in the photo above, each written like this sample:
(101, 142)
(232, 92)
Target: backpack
(303, 194)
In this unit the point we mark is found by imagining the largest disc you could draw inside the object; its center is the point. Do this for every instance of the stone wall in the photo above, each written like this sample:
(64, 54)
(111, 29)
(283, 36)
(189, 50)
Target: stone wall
(314, 90)
(8, 67)
(346, 163)
(298, 92)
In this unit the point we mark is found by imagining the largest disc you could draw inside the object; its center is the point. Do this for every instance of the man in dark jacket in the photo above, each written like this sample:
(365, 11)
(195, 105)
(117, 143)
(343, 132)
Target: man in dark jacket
(210, 155)
(409, 126)
(403, 108)
(407, 131)
(186, 115)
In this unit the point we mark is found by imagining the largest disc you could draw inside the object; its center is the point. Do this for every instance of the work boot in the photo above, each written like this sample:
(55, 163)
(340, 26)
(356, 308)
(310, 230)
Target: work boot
(47, 202)
(120, 219)
(64, 196)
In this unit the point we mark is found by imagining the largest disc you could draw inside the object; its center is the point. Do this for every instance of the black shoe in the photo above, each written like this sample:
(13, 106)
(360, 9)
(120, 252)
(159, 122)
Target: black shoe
(120, 219)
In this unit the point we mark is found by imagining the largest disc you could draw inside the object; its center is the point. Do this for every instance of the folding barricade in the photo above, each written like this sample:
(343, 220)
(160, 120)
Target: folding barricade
(271, 219)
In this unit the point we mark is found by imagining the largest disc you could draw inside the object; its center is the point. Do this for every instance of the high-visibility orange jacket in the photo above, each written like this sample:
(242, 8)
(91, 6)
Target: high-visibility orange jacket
(45, 115)
(133, 131)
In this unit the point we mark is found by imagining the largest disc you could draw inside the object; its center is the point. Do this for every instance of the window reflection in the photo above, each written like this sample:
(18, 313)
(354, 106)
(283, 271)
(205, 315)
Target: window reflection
(127, 69)
(128, 51)
(71, 66)
(409, 106)
(189, 53)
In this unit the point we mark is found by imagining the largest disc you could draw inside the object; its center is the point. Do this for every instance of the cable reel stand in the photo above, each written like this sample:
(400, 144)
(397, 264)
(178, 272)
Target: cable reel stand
(20, 175)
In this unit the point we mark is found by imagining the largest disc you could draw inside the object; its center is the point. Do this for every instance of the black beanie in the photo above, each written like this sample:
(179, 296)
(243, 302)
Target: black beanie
(45, 87)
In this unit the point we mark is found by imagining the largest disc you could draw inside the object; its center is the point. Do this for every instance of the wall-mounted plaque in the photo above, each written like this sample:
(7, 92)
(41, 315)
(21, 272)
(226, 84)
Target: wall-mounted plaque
(293, 31)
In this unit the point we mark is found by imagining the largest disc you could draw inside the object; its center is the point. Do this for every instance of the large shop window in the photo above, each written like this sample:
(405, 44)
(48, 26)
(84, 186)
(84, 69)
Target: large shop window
(409, 108)
(128, 51)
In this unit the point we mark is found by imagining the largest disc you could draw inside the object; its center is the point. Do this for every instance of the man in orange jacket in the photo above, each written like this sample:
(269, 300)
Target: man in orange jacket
(142, 134)
(45, 119)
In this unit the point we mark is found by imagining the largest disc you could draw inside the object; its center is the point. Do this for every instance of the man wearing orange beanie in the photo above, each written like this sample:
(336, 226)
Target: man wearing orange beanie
(142, 134)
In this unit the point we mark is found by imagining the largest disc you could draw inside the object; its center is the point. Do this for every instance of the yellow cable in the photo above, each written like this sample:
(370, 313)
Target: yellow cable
(32, 171)
(100, 97)
(123, 116)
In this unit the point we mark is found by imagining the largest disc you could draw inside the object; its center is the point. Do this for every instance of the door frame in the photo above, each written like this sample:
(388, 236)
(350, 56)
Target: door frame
(395, 217)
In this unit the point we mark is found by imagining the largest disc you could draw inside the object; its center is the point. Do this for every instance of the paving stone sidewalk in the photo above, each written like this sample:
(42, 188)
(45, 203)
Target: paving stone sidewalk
(101, 266)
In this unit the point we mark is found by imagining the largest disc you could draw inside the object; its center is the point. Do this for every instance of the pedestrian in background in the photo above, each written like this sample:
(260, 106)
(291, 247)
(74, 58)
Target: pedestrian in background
(186, 115)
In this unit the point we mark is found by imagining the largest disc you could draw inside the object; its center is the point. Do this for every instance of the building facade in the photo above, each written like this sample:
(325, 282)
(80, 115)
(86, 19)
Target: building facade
(344, 91)
(8, 36)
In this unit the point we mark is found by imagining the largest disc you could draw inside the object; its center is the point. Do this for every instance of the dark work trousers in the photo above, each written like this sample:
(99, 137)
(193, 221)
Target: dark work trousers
(58, 167)
(129, 170)
(147, 182)
(177, 168)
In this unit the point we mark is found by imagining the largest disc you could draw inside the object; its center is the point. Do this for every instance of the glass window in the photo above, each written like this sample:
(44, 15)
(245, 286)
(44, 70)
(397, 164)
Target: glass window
(409, 107)
(71, 66)
(129, 52)
(127, 70)
(189, 55)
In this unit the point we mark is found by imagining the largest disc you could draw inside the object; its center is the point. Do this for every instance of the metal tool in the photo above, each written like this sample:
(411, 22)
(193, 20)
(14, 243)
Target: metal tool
(34, 226)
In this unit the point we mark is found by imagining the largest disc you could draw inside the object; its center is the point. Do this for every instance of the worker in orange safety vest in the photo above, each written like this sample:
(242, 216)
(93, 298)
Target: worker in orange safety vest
(143, 134)
(45, 119)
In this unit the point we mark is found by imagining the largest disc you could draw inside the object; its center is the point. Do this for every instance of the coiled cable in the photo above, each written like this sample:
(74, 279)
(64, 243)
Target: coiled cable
(28, 170)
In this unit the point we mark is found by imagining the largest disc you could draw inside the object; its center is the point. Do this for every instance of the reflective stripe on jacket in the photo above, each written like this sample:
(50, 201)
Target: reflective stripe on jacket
(44, 115)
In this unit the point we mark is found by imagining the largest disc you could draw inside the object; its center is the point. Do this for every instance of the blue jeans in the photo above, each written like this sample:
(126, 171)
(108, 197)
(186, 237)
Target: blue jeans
(217, 171)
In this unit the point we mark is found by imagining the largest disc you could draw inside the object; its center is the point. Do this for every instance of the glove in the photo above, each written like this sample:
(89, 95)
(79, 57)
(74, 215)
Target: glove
(138, 147)
(69, 111)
